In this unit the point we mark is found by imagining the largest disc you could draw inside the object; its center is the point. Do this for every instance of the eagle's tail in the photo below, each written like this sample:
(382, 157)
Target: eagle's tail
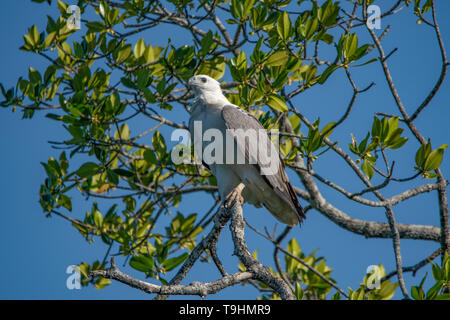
(296, 204)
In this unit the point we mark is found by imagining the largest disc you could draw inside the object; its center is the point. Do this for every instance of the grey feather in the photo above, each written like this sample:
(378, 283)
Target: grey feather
(236, 118)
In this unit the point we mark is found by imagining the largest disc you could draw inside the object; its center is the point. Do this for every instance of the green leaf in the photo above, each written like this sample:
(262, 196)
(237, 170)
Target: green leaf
(434, 159)
(124, 53)
(34, 75)
(367, 169)
(63, 162)
(98, 218)
(376, 127)
(248, 5)
(65, 201)
(363, 145)
(416, 293)
(103, 9)
(387, 290)
(434, 290)
(142, 230)
(96, 26)
(101, 283)
(172, 263)
(124, 133)
(350, 45)
(152, 53)
(123, 173)
(294, 248)
(295, 122)
(284, 25)
(327, 130)
(215, 68)
(347, 46)
(314, 140)
(236, 8)
(159, 144)
(446, 266)
(87, 170)
(437, 272)
(360, 52)
(298, 291)
(430, 175)
(276, 102)
(336, 296)
(327, 38)
(327, 73)
(142, 262)
(34, 34)
(311, 27)
(278, 58)
(150, 156)
(393, 126)
(127, 82)
(139, 48)
(422, 154)
(112, 177)
(367, 62)
(206, 43)
(399, 143)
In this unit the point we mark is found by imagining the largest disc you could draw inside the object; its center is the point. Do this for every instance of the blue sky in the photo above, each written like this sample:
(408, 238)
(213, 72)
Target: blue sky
(36, 250)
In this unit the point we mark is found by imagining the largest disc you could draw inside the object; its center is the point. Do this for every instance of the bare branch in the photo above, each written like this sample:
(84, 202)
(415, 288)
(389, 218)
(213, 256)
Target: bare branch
(415, 267)
(195, 288)
(259, 271)
(355, 196)
(369, 229)
(442, 193)
(443, 70)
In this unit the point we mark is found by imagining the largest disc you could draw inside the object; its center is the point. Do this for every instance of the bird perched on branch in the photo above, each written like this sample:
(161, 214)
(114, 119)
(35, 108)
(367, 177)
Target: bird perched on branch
(261, 178)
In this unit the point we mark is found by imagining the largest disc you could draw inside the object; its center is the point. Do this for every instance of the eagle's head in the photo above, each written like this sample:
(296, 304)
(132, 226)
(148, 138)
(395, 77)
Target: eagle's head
(204, 84)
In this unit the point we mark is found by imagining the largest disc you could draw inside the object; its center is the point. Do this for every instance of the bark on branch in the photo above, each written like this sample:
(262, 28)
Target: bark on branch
(195, 288)
(259, 271)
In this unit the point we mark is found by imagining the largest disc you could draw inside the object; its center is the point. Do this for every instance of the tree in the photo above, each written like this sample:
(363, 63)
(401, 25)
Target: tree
(105, 75)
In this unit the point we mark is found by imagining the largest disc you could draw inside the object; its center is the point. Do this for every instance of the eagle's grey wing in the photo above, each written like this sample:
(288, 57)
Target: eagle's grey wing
(236, 118)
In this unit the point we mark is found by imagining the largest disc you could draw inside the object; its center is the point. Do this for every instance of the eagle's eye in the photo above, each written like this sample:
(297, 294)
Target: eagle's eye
(203, 80)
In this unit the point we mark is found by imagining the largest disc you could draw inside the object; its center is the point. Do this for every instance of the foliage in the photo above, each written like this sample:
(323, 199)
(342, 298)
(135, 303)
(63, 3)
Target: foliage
(441, 289)
(102, 77)
(309, 286)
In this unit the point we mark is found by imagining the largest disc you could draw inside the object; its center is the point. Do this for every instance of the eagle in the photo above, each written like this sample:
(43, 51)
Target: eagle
(249, 180)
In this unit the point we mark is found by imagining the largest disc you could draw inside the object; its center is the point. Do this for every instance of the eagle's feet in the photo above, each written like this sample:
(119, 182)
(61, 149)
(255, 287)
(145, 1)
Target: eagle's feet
(233, 196)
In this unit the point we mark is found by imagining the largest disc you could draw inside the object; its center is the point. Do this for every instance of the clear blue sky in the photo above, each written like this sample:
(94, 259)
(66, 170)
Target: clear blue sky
(36, 251)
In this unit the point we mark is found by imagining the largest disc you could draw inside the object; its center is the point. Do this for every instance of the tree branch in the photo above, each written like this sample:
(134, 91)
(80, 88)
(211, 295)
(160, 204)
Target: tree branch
(442, 192)
(220, 220)
(259, 271)
(415, 267)
(195, 288)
